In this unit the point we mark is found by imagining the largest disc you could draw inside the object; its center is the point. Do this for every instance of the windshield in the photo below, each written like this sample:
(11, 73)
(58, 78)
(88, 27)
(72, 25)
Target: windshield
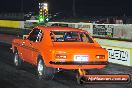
(70, 36)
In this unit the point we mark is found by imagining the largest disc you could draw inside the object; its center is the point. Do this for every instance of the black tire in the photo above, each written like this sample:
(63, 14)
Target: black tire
(43, 71)
(17, 60)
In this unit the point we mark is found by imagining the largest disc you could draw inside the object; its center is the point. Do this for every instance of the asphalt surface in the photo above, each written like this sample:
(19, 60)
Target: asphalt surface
(10, 77)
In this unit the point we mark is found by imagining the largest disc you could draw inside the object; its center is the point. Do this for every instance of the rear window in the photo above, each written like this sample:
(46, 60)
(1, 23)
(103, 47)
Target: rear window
(70, 36)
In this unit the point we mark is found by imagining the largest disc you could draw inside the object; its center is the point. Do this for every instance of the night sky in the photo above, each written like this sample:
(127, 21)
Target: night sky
(83, 7)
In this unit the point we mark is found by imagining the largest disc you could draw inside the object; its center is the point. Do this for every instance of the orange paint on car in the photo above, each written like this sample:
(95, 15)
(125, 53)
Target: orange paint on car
(61, 47)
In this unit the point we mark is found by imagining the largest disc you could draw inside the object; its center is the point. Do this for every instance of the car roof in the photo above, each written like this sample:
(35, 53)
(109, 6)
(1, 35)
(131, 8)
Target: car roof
(57, 28)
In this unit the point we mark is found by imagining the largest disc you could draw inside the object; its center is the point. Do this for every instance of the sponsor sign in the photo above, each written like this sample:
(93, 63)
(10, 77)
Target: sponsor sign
(113, 78)
(10, 23)
(85, 26)
(71, 25)
(118, 55)
(103, 30)
(28, 25)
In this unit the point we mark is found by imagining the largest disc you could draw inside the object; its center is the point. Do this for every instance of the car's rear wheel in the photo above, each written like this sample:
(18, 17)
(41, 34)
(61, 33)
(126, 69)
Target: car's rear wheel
(43, 71)
(17, 60)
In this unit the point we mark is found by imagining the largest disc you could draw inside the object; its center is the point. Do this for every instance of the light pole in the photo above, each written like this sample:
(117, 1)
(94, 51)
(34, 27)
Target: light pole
(73, 8)
(22, 6)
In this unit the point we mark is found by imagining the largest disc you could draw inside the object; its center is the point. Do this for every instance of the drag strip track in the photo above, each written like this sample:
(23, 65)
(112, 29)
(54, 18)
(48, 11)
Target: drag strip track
(10, 77)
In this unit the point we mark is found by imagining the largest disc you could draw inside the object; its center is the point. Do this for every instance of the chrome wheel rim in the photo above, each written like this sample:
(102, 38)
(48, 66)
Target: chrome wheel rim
(16, 59)
(40, 67)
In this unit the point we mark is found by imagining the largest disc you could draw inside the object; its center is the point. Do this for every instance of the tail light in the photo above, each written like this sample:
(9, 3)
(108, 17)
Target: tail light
(100, 56)
(61, 56)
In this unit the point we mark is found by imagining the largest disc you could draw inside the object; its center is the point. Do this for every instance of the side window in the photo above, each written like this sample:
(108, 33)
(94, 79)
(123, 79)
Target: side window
(83, 37)
(53, 38)
(35, 35)
(40, 36)
(89, 39)
(86, 38)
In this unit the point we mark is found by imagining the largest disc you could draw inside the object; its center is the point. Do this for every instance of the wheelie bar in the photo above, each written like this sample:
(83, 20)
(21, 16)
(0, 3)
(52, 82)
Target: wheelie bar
(81, 76)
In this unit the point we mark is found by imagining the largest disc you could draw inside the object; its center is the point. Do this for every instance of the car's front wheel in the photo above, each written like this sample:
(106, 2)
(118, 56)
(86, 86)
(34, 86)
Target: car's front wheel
(17, 60)
(43, 71)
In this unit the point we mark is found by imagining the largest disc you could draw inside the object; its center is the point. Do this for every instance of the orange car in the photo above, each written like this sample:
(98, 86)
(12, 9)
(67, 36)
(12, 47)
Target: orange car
(51, 48)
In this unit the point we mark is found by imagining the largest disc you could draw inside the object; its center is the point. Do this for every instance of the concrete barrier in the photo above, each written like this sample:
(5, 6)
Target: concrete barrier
(120, 52)
(84, 26)
(123, 31)
(118, 31)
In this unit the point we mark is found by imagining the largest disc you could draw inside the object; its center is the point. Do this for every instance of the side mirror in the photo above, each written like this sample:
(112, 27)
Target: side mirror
(25, 37)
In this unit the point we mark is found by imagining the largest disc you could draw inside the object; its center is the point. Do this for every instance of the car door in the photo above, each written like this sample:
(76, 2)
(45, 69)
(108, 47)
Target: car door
(29, 48)
(35, 45)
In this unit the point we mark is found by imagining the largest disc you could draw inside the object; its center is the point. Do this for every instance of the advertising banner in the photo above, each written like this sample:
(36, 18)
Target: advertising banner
(103, 30)
(118, 55)
(10, 23)
(31, 23)
(85, 26)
